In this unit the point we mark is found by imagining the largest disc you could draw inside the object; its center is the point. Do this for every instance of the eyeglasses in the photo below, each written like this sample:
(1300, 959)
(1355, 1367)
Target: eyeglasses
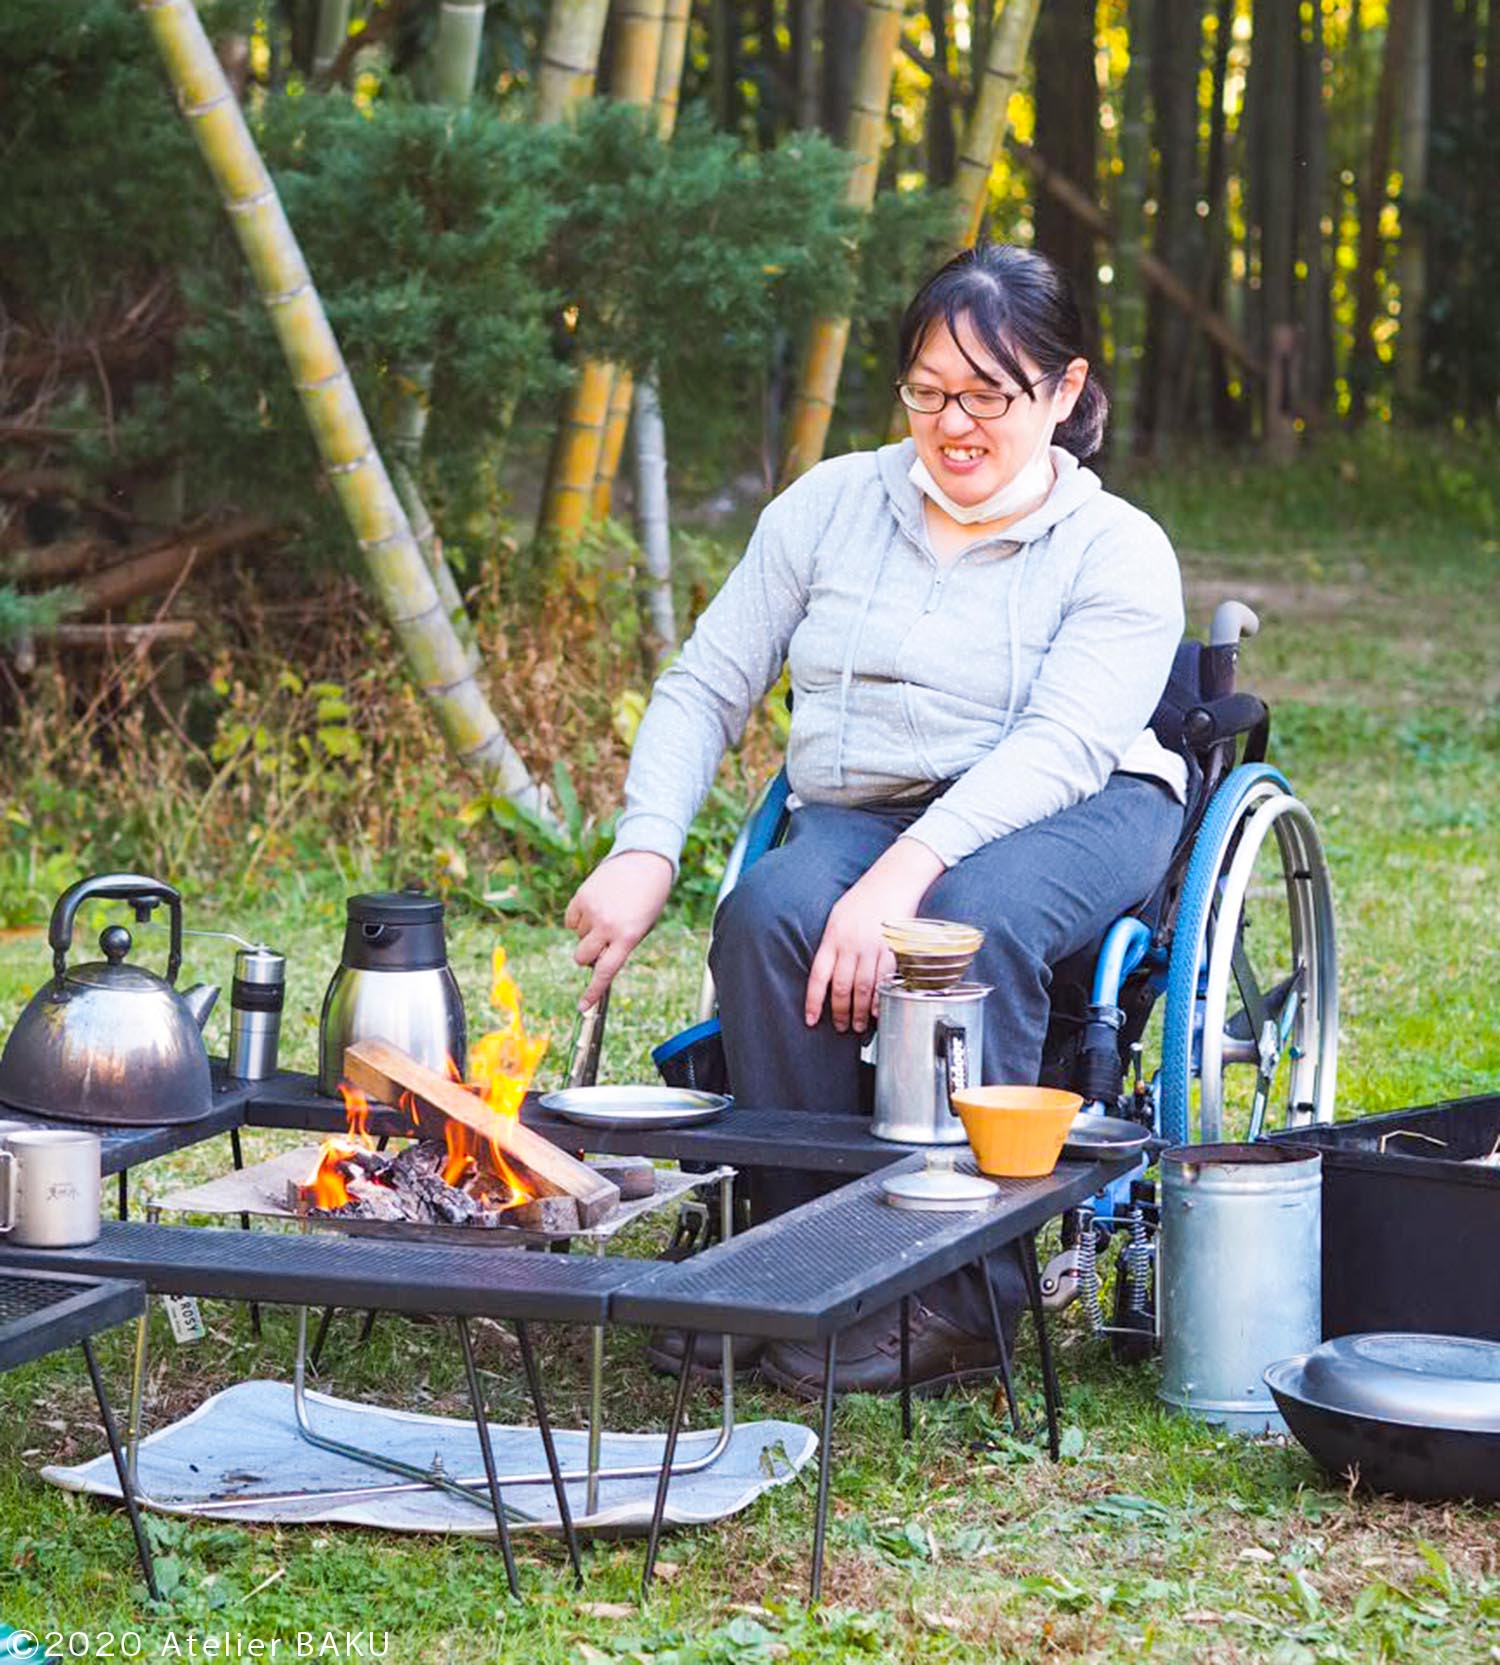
(980, 403)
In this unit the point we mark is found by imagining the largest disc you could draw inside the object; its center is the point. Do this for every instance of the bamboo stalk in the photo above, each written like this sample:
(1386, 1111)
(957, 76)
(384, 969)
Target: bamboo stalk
(455, 51)
(655, 520)
(674, 35)
(823, 354)
(569, 58)
(984, 132)
(582, 437)
(332, 32)
(401, 577)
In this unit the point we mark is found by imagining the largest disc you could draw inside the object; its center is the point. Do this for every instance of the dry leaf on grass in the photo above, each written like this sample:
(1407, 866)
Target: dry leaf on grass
(607, 1609)
(668, 1570)
(592, 1656)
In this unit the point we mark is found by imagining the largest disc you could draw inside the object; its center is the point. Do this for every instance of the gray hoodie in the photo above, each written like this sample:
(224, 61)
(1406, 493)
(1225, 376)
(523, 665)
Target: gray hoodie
(1024, 672)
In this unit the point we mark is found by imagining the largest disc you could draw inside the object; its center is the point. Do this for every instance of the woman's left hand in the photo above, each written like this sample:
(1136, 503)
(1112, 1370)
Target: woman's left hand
(852, 958)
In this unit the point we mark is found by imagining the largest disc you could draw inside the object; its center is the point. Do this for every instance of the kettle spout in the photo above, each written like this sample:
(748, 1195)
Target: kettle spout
(200, 1001)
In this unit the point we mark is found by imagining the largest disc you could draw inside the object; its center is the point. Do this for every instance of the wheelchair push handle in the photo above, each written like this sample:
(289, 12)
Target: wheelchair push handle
(1232, 621)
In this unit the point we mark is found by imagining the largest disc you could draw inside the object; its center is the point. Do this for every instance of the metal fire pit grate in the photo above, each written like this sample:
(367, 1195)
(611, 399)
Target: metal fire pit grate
(262, 1190)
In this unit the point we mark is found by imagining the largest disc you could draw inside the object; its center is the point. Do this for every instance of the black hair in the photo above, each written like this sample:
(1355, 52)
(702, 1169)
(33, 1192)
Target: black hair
(1018, 301)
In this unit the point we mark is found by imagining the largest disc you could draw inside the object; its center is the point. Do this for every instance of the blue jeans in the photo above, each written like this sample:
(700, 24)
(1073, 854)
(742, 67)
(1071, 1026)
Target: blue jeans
(1040, 895)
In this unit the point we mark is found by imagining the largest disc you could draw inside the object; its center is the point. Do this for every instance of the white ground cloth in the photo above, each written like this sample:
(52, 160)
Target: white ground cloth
(244, 1442)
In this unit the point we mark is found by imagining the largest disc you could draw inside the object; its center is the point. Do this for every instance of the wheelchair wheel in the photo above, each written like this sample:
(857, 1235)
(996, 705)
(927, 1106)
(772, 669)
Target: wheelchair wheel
(1252, 981)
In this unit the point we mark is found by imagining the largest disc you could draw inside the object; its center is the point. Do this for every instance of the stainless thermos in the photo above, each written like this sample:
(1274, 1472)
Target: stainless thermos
(255, 1003)
(49, 1187)
(394, 985)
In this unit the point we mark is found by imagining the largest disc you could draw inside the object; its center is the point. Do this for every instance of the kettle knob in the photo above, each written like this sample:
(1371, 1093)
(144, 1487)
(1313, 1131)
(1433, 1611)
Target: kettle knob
(115, 940)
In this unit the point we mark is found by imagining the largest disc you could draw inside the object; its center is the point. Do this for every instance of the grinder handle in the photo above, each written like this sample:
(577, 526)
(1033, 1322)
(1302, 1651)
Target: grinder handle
(142, 892)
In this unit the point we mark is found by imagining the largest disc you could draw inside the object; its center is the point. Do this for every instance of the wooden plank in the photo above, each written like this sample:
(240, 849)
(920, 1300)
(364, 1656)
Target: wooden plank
(384, 1072)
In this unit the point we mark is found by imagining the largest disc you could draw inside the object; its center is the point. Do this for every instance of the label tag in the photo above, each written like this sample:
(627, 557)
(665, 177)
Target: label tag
(184, 1317)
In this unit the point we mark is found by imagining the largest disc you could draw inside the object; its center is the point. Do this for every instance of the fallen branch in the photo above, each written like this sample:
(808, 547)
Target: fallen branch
(158, 566)
(1084, 208)
(119, 635)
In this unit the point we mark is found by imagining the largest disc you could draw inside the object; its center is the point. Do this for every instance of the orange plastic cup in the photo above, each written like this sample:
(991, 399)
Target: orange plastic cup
(1017, 1132)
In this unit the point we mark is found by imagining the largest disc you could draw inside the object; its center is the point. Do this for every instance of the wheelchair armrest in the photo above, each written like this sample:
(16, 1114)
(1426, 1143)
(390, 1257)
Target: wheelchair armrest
(1224, 719)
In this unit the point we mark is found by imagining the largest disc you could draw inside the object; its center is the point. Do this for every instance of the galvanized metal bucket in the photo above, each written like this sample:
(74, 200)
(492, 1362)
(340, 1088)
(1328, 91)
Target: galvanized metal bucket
(1241, 1275)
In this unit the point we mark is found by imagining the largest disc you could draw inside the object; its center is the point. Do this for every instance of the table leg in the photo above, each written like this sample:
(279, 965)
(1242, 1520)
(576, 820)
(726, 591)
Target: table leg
(544, 1428)
(486, 1450)
(315, 1357)
(906, 1367)
(825, 1448)
(1033, 1276)
(237, 1151)
(664, 1475)
(596, 1408)
(137, 1392)
(122, 1194)
(1007, 1384)
(127, 1478)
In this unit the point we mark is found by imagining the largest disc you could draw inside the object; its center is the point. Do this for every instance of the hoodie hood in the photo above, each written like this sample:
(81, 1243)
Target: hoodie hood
(1075, 485)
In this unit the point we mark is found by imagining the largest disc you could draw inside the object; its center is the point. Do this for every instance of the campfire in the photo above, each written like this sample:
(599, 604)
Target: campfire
(472, 1163)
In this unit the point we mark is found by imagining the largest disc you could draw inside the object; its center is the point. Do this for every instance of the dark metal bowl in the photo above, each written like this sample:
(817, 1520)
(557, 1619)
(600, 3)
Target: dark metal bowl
(1427, 1451)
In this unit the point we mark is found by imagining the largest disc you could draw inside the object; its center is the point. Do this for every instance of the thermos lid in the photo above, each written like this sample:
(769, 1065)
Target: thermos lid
(395, 907)
(394, 930)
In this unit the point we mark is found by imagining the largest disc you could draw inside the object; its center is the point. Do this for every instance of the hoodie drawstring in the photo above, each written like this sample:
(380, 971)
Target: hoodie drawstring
(848, 672)
(1013, 622)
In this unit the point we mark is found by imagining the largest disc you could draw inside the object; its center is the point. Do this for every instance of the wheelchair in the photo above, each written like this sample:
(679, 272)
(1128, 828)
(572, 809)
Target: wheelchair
(1237, 944)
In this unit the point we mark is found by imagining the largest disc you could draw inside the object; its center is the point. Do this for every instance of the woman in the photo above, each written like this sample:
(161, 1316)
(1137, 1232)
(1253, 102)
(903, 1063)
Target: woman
(977, 635)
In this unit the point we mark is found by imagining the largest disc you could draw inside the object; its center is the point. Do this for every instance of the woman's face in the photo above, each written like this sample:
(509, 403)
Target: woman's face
(971, 459)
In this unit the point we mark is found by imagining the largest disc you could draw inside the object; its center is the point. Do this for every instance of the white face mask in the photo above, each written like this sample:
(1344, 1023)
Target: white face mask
(1030, 484)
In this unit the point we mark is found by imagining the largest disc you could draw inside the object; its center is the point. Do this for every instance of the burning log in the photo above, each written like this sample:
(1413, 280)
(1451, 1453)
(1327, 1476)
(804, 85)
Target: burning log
(386, 1073)
(420, 1185)
(635, 1175)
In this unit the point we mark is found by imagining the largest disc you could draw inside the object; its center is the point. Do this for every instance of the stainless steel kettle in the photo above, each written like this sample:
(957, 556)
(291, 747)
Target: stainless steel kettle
(929, 1044)
(110, 1042)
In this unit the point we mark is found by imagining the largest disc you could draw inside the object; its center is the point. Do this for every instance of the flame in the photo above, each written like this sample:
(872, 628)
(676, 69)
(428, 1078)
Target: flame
(502, 1063)
(357, 1114)
(325, 1182)
(501, 1066)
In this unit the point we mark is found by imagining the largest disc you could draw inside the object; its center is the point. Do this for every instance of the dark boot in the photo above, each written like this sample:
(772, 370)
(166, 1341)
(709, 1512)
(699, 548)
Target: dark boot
(869, 1357)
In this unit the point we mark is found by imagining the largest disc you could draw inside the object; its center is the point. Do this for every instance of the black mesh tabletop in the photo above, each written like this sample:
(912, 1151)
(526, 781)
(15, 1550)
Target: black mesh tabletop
(316, 1268)
(292, 1100)
(127, 1146)
(742, 1137)
(817, 1268)
(42, 1312)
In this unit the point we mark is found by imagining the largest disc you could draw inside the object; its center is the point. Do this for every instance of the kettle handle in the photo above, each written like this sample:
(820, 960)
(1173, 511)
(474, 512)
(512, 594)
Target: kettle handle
(952, 1045)
(142, 893)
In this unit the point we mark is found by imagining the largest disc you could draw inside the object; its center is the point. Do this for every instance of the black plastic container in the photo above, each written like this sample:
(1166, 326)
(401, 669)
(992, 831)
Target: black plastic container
(1410, 1222)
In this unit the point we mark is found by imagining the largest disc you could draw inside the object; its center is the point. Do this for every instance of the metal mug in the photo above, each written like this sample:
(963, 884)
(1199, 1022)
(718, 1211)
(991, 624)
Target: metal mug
(929, 1043)
(49, 1187)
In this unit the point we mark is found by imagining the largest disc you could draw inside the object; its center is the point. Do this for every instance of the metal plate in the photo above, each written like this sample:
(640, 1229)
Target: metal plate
(1092, 1137)
(625, 1107)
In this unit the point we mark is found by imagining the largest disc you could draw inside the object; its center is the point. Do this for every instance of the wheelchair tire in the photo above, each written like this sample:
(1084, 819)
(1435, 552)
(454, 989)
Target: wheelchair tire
(1291, 1043)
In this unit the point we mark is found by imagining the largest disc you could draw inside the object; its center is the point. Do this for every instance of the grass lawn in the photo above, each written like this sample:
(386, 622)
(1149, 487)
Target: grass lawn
(1375, 573)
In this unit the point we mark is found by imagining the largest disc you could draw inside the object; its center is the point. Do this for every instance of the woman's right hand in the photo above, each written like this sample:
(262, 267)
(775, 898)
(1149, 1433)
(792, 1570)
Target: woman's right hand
(612, 910)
